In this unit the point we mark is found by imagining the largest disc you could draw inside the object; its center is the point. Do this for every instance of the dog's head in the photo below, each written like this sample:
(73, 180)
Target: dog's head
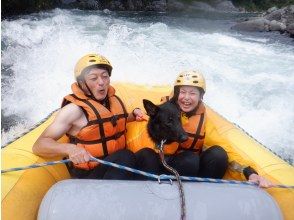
(164, 122)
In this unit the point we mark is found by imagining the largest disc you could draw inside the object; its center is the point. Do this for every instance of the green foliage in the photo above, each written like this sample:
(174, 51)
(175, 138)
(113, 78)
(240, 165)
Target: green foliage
(251, 5)
(258, 5)
(14, 7)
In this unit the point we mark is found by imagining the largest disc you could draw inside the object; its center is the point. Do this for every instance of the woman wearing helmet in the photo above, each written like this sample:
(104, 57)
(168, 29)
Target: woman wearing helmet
(189, 89)
(94, 119)
(212, 162)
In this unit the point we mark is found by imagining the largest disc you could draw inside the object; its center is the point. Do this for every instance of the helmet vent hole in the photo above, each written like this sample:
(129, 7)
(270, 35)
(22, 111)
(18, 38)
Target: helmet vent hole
(92, 61)
(178, 81)
(195, 81)
(194, 76)
(181, 76)
(92, 56)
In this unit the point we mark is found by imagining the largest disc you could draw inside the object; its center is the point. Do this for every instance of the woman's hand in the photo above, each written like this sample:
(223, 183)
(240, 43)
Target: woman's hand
(261, 181)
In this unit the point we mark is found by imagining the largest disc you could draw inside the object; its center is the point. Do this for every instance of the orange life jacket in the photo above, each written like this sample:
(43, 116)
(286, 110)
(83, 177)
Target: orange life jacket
(104, 133)
(195, 129)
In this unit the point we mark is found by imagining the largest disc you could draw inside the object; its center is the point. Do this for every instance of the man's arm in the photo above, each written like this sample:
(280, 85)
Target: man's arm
(47, 145)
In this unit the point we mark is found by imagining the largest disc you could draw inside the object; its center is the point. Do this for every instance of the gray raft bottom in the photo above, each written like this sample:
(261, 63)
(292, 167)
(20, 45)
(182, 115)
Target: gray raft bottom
(116, 199)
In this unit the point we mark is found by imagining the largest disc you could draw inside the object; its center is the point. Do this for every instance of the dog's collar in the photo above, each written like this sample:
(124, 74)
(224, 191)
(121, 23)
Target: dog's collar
(161, 144)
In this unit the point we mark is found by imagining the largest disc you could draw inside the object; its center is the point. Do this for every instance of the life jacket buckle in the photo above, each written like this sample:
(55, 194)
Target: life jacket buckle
(113, 120)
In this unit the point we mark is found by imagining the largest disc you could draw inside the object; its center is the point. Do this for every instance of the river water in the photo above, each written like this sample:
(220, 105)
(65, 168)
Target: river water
(250, 77)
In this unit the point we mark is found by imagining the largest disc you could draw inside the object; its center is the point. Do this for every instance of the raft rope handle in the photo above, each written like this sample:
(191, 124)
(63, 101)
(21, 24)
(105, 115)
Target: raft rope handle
(150, 175)
(179, 182)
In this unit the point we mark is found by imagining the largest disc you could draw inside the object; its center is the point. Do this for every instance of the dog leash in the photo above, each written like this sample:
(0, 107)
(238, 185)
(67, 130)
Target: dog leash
(180, 185)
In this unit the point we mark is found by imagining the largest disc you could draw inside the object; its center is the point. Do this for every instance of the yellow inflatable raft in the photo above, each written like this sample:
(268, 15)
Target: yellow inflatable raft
(22, 191)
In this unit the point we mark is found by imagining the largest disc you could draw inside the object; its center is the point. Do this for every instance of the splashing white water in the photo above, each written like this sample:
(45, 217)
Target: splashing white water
(250, 81)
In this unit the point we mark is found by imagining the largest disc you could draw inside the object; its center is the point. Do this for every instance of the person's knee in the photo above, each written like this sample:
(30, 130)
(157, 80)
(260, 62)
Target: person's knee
(222, 160)
(213, 162)
(126, 153)
(126, 157)
(146, 153)
(218, 154)
(191, 159)
(186, 163)
(147, 160)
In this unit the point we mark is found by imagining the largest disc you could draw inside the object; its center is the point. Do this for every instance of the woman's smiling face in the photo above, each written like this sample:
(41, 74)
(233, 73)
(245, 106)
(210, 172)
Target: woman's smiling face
(189, 97)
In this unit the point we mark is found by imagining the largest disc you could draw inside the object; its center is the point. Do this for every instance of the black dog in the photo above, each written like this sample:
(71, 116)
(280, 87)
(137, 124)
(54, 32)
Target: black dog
(164, 122)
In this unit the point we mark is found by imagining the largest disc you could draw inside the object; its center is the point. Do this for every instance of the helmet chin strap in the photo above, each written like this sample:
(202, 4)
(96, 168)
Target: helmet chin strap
(104, 102)
(91, 94)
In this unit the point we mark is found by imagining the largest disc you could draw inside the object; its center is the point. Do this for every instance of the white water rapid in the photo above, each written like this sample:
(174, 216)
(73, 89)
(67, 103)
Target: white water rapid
(250, 78)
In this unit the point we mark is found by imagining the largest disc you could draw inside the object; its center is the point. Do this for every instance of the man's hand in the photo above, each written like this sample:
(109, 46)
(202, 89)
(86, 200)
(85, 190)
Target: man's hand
(78, 154)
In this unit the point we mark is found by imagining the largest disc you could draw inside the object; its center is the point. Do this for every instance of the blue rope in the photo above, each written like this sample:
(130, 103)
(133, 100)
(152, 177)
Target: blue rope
(35, 166)
(150, 175)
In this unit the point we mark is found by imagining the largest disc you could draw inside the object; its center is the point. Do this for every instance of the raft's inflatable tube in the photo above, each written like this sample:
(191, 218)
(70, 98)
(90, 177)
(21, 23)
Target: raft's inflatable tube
(114, 199)
(23, 191)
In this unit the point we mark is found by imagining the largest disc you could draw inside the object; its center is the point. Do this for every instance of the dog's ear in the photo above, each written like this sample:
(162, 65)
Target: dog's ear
(150, 108)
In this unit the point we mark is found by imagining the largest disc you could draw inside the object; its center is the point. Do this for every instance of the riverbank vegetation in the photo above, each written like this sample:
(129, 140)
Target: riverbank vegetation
(261, 5)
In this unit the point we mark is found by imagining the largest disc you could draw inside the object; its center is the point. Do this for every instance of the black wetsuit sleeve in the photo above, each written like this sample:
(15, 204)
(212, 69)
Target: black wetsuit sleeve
(248, 171)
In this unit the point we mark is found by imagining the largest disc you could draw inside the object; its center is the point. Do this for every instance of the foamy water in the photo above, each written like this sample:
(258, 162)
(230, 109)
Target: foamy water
(250, 79)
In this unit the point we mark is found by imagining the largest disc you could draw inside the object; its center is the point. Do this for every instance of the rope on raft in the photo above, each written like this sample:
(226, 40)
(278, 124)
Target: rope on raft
(150, 175)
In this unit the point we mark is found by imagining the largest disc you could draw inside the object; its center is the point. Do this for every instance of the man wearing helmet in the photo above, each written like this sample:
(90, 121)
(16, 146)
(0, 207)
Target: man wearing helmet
(94, 119)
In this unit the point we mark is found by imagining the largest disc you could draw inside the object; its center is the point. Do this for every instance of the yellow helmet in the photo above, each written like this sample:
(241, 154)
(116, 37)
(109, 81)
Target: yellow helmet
(90, 60)
(191, 78)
